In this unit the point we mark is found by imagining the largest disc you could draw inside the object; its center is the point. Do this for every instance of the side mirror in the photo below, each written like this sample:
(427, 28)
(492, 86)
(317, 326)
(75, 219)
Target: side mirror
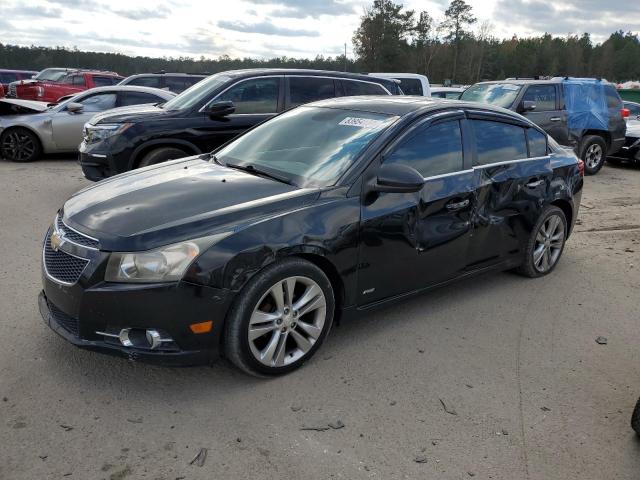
(527, 106)
(397, 178)
(74, 107)
(221, 109)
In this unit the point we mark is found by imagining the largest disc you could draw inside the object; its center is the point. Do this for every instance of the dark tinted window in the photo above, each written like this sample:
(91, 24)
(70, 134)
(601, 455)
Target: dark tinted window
(99, 102)
(176, 84)
(613, 100)
(8, 77)
(431, 150)
(309, 89)
(411, 86)
(137, 98)
(259, 95)
(192, 80)
(498, 142)
(544, 96)
(352, 87)
(453, 95)
(155, 82)
(104, 81)
(537, 143)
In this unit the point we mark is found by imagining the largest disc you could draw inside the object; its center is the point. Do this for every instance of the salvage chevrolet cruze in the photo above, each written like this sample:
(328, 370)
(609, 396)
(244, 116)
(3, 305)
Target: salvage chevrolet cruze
(331, 208)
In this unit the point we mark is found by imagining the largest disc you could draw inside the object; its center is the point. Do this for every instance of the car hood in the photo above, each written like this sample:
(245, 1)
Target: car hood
(133, 114)
(15, 106)
(179, 200)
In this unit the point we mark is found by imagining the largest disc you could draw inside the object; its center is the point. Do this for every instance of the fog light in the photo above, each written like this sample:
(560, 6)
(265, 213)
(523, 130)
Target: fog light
(150, 338)
(202, 327)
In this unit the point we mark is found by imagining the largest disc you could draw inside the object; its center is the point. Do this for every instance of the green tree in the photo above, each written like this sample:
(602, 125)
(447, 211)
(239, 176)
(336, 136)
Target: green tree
(457, 17)
(381, 39)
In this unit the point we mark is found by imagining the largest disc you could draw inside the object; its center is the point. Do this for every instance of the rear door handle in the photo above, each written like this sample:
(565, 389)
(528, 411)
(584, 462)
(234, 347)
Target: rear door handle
(535, 183)
(453, 206)
(555, 119)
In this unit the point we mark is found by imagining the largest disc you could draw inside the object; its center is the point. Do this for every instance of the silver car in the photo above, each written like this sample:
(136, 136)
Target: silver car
(30, 129)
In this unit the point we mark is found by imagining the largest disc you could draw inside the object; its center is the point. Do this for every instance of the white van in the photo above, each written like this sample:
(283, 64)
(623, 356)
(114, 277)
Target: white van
(410, 83)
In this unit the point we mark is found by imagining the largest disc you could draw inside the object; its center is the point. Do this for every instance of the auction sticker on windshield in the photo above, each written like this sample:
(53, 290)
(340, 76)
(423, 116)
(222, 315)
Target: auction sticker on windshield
(362, 122)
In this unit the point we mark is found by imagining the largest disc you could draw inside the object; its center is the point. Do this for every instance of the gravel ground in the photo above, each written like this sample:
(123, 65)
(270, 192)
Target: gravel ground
(530, 394)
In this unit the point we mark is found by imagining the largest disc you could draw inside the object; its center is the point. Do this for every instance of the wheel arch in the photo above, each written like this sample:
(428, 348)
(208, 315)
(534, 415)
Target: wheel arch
(606, 136)
(142, 150)
(29, 129)
(567, 209)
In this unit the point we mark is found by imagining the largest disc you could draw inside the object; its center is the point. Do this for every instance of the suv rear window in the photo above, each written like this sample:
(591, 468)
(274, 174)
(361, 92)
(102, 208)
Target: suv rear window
(309, 89)
(104, 81)
(613, 99)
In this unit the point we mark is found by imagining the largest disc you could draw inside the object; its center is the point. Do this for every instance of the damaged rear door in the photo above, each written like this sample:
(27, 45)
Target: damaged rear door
(513, 175)
(412, 241)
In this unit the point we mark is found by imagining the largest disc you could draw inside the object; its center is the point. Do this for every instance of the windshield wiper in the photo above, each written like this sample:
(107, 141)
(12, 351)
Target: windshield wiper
(256, 171)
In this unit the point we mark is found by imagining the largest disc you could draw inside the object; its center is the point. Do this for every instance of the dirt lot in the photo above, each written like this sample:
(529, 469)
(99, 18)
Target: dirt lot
(531, 395)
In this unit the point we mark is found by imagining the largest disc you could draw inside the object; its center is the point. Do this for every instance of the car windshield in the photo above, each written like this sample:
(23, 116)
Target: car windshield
(51, 75)
(307, 146)
(196, 94)
(498, 94)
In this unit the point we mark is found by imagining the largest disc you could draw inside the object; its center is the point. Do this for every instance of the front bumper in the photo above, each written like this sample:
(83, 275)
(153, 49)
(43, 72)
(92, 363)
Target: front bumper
(95, 167)
(90, 313)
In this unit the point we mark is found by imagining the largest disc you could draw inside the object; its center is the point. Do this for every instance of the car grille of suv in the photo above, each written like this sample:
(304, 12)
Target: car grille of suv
(61, 266)
(67, 322)
(12, 91)
(75, 237)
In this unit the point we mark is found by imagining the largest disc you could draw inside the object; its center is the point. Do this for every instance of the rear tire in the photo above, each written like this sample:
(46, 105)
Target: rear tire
(270, 331)
(20, 145)
(635, 418)
(593, 151)
(546, 243)
(160, 155)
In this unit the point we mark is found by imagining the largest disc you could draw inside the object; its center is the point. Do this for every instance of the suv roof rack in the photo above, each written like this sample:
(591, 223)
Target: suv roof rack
(535, 77)
(162, 72)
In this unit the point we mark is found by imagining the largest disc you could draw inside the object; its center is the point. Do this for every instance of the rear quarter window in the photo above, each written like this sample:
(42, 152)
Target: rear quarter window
(354, 88)
(613, 99)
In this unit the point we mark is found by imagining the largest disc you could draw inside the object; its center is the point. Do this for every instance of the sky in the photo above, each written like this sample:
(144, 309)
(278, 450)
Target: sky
(268, 28)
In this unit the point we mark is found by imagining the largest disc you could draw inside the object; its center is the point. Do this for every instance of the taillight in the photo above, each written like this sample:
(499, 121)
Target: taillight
(581, 167)
(625, 112)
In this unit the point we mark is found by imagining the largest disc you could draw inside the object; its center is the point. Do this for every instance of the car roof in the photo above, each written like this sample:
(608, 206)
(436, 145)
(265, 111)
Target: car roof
(405, 104)
(10, 70)
(397, 75)
(133, 88)
(168, 74)
(300, 71)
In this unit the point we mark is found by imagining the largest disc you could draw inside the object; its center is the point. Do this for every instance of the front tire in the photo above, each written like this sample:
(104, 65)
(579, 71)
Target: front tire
(593, 152)
(20, 145)
(280, 318)
(160, 155)
(545, 244)
(635, 418)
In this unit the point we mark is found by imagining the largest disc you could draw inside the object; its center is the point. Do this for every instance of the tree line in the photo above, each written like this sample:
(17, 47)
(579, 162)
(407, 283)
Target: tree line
(393, 39)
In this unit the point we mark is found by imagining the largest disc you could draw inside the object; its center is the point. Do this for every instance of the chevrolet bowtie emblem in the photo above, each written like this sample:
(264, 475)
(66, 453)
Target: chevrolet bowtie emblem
(56, 241)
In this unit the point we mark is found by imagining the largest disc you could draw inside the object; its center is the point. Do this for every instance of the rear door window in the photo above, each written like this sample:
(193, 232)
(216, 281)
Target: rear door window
(99, 102)
(176, 84)
(258, 95)
(353, 87)
(155, 82)
(309, 89)
(431, 150)
(544, 96)
(498, 142)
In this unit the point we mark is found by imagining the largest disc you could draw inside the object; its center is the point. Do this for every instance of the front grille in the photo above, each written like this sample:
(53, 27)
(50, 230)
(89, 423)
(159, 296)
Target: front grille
(12, 91)
(61, 266)
(73, 236)
(67, 322)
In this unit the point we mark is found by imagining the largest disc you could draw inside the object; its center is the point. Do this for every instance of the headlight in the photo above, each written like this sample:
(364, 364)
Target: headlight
(98, 133)
(165, 264)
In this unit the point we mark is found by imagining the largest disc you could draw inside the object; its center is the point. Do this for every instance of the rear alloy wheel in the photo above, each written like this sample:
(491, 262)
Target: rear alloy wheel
(594, 153)
(280, 318)
(20, 145)
(546, 243)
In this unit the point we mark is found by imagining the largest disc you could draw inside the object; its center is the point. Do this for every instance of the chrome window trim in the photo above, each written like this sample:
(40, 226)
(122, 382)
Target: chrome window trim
(203, 109)
(67, 240)
(528, 159)
(450, 174)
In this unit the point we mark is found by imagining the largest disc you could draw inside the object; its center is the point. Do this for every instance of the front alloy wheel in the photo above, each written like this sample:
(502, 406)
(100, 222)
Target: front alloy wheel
(19, 145)
(280, 318)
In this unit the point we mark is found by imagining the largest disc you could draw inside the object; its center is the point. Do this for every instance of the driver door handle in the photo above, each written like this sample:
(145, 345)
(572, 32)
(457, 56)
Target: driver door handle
(555, 119)
(453, 206)
(535, 183)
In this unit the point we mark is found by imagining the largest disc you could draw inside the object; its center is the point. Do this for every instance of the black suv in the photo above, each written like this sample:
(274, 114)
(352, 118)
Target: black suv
(174, 82)
(208, 115)
(585, 114)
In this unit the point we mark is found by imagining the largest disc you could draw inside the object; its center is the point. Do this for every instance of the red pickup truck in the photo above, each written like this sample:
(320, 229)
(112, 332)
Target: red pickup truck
(73, 82)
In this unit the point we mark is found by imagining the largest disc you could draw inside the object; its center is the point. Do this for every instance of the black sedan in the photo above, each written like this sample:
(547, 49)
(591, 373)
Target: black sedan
(326, 210)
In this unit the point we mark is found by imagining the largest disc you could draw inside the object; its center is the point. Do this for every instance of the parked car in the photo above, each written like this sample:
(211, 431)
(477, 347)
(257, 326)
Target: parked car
(74, 81)
(634, 109)
(197, 120)
(452, 93)
(585, 114)
(630, 151)
(8, 76)
(410, 83)
(174, 82)
(26, 88)
(635, 418)
(34, 128)
(329, 209)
